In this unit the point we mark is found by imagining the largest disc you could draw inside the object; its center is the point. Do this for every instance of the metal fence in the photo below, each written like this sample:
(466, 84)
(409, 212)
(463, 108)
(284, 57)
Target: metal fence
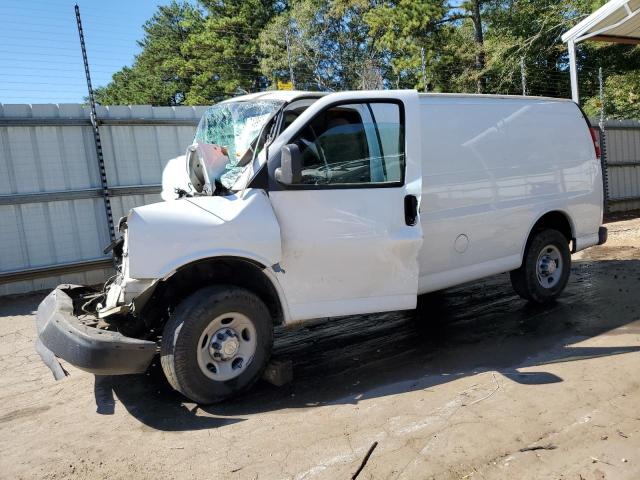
(622, 143)
(53, 225)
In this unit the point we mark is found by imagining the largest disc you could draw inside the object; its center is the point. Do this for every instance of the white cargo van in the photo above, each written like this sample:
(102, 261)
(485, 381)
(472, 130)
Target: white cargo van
(291, 206)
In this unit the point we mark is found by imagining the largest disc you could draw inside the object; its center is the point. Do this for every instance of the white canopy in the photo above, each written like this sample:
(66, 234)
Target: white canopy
(617, 21)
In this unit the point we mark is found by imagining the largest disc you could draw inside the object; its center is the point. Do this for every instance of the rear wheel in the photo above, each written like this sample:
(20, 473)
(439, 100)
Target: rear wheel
(217, 343)
(545, 267)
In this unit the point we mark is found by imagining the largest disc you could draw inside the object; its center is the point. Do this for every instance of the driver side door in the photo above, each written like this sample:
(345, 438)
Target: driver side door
(350, 228)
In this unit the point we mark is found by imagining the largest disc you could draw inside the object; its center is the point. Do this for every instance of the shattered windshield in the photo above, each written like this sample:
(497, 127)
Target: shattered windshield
(228, 136)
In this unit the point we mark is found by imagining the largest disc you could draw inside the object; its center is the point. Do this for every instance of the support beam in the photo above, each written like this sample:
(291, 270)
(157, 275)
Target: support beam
(616, 39)
(54, 270)
(65, 195)
(573, 71)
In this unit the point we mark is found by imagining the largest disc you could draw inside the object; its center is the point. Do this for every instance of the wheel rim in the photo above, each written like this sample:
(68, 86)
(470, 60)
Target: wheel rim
(549, 266)
(227, 346)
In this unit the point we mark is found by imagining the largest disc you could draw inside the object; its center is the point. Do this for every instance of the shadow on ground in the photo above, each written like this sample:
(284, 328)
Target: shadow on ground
(465, 331)
(26, 304)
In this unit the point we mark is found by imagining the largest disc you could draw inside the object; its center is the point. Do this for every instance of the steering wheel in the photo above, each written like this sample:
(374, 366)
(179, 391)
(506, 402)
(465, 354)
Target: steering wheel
(328, 172)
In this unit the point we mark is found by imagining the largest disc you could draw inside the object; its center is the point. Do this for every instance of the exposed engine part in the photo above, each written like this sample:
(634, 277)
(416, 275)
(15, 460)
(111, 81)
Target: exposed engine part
(182, 193)
(115, 247)
(91, 302)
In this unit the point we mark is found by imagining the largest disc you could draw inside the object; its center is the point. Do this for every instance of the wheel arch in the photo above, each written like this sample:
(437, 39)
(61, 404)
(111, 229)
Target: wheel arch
(556, 219)
(228, 270)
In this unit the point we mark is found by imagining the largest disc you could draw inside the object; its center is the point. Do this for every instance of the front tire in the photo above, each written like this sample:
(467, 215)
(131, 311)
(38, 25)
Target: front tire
(216, 343)
(545, 267)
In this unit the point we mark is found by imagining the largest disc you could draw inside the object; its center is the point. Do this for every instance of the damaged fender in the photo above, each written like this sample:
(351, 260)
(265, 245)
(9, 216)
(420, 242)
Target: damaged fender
(165, 236)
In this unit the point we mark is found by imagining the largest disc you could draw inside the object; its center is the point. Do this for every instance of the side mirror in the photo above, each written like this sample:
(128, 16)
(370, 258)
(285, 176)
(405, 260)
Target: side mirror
(290, 170)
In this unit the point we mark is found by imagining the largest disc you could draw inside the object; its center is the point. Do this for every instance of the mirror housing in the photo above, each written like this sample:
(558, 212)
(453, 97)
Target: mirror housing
(290, 170)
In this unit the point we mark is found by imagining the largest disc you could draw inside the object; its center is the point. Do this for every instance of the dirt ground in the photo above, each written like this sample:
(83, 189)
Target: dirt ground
(486, 387)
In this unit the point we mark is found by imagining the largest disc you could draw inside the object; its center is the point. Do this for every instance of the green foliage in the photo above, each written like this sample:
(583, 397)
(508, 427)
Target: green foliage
(300, 33)
(622, 97)
(223, 57)
(330, 46)
(155, 77)
(202, 54)
(403, 29)
(529, 31)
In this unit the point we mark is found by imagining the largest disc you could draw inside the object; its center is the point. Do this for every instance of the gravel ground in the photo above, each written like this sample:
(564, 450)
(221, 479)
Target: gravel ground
(486, 387)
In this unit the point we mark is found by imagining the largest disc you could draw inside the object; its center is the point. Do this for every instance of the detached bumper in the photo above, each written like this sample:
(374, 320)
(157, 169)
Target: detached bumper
(62, 334)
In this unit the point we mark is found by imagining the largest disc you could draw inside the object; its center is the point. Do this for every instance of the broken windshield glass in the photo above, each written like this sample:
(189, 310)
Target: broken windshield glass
(228, 136)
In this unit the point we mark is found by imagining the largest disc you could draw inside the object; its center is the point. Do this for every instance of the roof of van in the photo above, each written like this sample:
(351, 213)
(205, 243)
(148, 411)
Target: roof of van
(284, 95)
(290, 95)
(488, 96)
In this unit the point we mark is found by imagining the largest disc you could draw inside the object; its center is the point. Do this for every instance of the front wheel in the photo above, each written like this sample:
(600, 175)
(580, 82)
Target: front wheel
(545, 267)
(217, 343)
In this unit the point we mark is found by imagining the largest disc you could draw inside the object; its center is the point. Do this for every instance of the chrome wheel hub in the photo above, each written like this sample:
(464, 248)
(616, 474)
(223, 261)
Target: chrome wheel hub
(224, 344)
(549, 266)
(227, 346)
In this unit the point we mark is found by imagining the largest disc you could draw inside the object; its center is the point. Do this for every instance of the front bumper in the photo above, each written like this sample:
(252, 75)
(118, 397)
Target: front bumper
(62, 334)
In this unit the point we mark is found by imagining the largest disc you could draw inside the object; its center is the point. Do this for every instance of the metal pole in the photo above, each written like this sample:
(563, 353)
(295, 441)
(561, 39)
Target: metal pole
(291, 77)
(96, 131)
(603, 144)
(523, 75)
(424, 70)
(573, 72)
(601, 92)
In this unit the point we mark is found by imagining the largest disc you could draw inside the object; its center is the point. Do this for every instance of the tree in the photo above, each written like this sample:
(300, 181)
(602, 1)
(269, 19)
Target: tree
(475, 7)
(328, 43)
(402, 29)
(297, 41)
(621, 97)
(223, 58)
(528, 31)
(155, 77)
(203, 54)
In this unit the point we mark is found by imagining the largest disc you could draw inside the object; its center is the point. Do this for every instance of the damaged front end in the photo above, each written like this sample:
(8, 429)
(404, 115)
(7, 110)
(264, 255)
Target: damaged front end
(122, 297)
(65, 331)
(98, 331)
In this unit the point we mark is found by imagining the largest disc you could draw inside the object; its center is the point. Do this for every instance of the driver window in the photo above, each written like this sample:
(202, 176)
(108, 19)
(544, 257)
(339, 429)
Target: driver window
(353, 144)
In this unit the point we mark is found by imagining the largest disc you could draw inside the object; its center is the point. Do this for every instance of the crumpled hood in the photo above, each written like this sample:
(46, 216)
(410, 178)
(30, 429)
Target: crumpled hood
(164, 236)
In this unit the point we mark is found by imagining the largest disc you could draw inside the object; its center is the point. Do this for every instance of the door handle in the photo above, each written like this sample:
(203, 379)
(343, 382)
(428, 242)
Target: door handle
(410, 210)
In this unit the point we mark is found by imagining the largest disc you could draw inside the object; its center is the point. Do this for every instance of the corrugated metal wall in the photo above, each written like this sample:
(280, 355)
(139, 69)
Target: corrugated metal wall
(623, 160)
(51, 211)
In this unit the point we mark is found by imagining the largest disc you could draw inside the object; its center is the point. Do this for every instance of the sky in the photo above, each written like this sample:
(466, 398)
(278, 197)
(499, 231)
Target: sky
(40, 58)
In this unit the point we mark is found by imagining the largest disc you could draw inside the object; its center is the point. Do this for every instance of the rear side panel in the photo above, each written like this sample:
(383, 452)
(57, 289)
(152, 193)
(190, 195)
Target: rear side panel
(492, 167)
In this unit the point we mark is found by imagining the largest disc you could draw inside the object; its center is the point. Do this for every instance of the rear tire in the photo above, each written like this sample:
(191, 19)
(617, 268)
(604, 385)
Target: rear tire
(216, 343)
(545, 267)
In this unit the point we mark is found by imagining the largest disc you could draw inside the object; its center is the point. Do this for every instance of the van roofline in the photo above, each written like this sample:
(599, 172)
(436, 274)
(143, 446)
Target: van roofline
(284, 95)
(291, 95)
(489, 95)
